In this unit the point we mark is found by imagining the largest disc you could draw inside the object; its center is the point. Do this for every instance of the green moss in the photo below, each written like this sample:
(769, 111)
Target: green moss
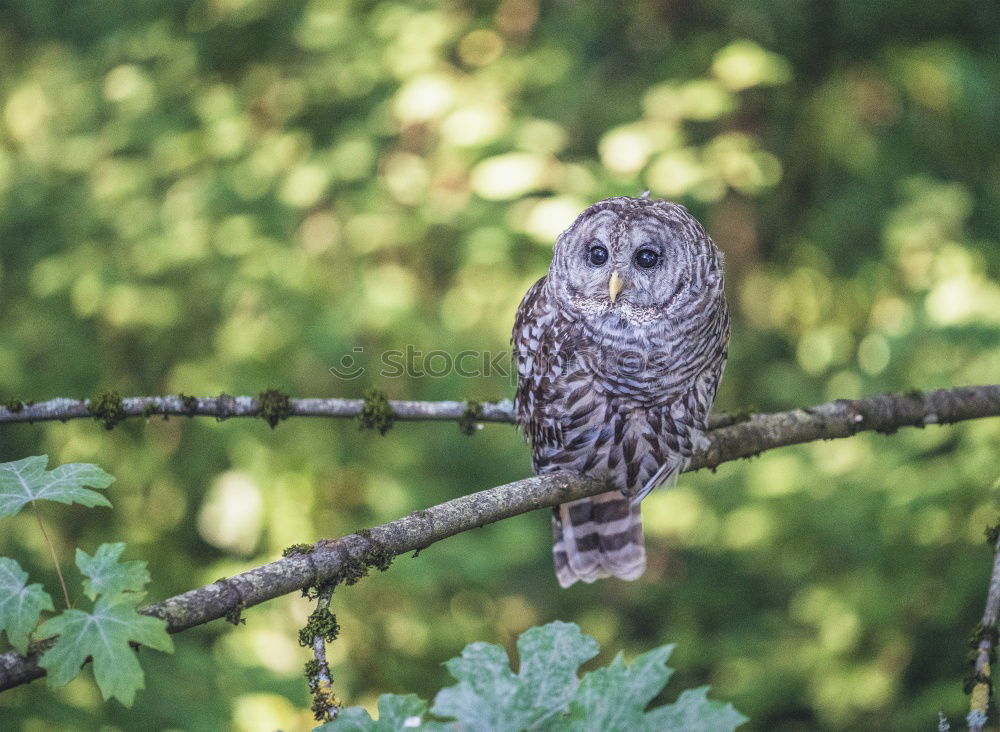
(189, 404)
(984, 633)
(275, 406)
(14, 405)
(992, 535)
(321, 623)
(323, 702)
(298, 549)
(353, 571)
(323, 698)
(235, 615)
(376, 413)
(107, 408)
(468, 424)
(376, 555)
(972, 678)
(150, 409)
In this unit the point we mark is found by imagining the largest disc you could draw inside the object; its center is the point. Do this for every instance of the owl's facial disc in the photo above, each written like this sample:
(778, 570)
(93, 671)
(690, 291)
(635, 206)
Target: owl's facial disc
(631, 258)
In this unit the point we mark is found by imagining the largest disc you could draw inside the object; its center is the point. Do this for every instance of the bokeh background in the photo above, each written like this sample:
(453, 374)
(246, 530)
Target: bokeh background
(231, 195)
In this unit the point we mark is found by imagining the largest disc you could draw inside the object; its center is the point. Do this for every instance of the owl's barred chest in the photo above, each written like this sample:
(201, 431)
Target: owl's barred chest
(618, 412)
(616, 437)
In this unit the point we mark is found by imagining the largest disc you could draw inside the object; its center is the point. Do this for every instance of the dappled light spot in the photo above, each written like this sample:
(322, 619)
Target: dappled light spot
(406, 176)
(480, 47)
(231, 514)
(319, 232)
(892, 315)
(625, 150)
(874, 354)
(740, 164)
(541, 136)
(128, 85)
(822, 347)
(129, 307)
(747, 528)
(778, 474)
(549, 217)
(704, 100)
(508, 176)
(475, 124)
(676, 173)
(844, 384)
(253, 712)
(27, 113)
(407, 634)
(424, 98)
(679, 514)
(304, 185)
(743, 64)
(932, 526)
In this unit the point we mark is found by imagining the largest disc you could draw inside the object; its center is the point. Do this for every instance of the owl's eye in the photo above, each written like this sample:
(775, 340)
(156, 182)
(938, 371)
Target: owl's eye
(646, 258)
(598, 255)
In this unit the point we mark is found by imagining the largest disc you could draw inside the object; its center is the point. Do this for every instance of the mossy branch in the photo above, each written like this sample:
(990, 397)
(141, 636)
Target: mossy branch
(272, 406)
(348, 558)
(979, 685)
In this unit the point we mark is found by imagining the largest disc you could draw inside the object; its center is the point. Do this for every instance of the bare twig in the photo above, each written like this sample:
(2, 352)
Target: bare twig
(345, 559)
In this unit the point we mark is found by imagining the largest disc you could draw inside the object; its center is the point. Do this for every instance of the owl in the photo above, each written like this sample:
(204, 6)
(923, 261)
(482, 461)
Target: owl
(619, 351)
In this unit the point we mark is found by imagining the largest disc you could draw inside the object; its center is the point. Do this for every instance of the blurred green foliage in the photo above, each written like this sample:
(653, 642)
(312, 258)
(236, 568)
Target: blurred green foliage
(231, 195)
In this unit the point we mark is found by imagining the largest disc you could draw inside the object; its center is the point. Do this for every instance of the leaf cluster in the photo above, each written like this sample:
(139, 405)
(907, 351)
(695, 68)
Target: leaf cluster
(105, 635)
(545, 693)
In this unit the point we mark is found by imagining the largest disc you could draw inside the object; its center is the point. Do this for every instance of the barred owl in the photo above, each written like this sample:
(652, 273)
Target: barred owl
(619, 352)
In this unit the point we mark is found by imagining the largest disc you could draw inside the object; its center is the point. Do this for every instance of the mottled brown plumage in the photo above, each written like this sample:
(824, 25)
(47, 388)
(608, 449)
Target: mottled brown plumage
(619, 351)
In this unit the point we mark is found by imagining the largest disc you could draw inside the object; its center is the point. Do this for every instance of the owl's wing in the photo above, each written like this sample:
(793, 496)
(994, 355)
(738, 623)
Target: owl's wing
(537, 345)
(702, 395)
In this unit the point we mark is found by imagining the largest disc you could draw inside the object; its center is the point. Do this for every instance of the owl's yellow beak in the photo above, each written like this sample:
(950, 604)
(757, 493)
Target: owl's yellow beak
(615, 285)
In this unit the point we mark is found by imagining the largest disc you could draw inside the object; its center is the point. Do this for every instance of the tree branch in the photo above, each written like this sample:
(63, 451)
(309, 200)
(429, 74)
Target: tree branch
(225, 407)
(984, 643)
(347, 558)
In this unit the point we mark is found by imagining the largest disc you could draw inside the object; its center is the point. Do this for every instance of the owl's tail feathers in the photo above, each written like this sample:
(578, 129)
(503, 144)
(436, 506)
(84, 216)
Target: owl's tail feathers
(598, 537)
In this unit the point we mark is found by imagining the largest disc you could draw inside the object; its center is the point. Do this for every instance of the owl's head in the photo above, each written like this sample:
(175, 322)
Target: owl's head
(635, 257)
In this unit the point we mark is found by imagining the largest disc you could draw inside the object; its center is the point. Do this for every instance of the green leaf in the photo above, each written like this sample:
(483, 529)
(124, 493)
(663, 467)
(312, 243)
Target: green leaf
(23, 481)
(545, 694)
(694, 711)
(106, 576)
(20, 603)
(489, 696)
(395, 712)
(104, 636)
(615, 696)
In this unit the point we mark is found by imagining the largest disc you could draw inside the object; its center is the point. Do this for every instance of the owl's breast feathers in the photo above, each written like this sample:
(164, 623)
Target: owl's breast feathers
(626, 406)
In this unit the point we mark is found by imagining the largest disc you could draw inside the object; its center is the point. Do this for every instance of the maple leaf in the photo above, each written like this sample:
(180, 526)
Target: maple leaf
(106, 576)
(20, 603)
(104, 636)
(23, 481)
